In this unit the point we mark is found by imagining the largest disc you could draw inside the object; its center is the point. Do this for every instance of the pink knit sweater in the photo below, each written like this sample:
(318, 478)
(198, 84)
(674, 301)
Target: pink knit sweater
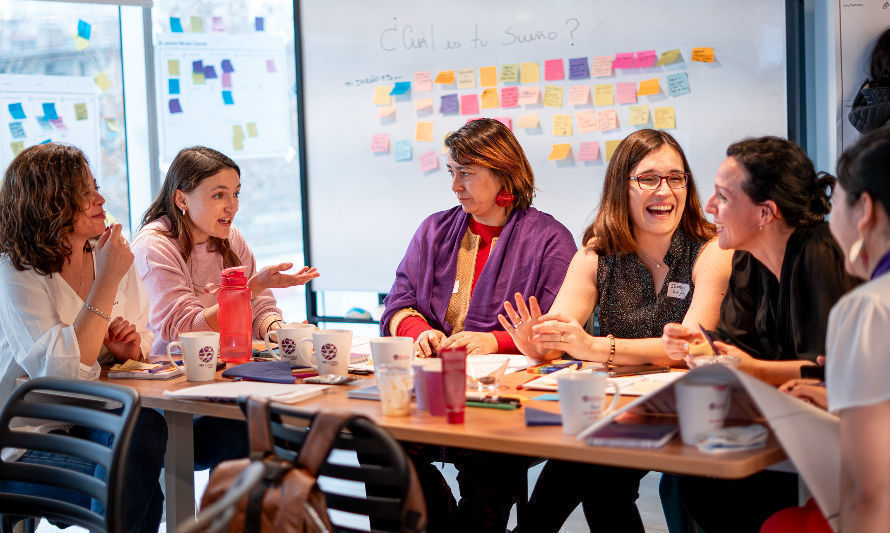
(176, 287)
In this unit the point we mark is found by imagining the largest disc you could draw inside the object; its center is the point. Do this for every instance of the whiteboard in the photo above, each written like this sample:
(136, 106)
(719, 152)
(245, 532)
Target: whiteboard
(365, 206)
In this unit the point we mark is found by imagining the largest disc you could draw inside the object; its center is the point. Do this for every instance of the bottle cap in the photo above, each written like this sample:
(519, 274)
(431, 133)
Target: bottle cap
(234, 277)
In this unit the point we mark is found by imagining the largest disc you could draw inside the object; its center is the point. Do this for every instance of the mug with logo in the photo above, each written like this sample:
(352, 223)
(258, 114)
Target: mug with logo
(582, 399)
(392, 350)
(332, 349)
(200, 349)
(702, 407)
(289, 336)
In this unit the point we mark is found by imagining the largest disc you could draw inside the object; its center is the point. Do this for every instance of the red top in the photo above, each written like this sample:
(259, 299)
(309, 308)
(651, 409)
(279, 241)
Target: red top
(413, 326)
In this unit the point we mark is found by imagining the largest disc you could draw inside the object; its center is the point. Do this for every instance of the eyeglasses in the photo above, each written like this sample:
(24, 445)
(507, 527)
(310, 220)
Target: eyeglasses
(650, 182)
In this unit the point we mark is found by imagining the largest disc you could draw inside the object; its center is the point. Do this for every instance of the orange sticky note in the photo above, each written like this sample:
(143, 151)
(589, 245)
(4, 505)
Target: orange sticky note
(488, 76)
(423, 103)
(528, 121)
(648, 87)
(562, 125)
(552, 96)
(586, 120)
(529, 95)
(610, 148)
(381, 95)
(559, 151)
(606, 120)
(386, 111)
(489, 98)
(665, 118)
(579, 95)
(445, 77)
(530, 73)
(703, 54)
(604, 94)
(424, 132)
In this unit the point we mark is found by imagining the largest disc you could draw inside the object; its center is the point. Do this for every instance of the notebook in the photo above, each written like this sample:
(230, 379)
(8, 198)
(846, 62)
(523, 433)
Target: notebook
(231, 391)
(633, 435)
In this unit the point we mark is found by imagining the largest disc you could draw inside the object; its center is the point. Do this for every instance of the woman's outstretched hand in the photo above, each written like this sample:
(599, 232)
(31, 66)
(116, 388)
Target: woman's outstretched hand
(520, 323)
(275, 277)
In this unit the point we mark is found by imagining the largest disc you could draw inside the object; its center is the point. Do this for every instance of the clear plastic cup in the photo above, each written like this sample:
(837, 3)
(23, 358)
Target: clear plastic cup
(705, 360)
(396, 384)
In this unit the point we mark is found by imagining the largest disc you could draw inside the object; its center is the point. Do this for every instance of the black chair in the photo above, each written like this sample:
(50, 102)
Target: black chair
(217, 517)
(384, 468)
(91, 404)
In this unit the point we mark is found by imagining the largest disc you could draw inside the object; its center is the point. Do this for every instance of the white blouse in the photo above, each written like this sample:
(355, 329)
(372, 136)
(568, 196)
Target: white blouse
(857, 367)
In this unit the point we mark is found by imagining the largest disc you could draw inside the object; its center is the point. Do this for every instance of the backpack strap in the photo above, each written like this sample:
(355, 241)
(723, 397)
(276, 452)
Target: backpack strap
(326, 425)
(259, 429)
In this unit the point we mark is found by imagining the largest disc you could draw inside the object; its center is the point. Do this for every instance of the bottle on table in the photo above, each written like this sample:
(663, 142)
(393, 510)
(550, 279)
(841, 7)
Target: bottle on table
(235, 316)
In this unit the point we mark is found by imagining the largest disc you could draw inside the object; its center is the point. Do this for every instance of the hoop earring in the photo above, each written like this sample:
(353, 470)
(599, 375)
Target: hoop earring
(504, 198)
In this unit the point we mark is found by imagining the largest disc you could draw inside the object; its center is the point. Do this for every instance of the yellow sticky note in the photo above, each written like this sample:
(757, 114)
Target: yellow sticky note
(610, 148)
(17, 147)
(381, 95)
(606, 120)
(488, 76)
(424, 132)
(238, 143)
(559, 151)
(466, 78)
(252, 130)
(238, 131)
(196, 24)
(669, 57)
(198, 78)
(562, 125)
(80, 111)
(552, 96)
(530, 73)
(80, 43)
(102, 81)
(490, 99)
(445, 77)
(510, 72)
(528, 121)
(423, 103)
(703, 54)
(173, 67)
(586, 120)
(604, 94)
(639, 115)
(664, 118)
(648, 87)
(386, 111)
(112, 125)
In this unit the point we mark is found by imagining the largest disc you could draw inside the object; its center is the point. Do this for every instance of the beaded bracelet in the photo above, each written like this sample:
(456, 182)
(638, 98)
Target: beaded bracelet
(89, 307)
(611, 349)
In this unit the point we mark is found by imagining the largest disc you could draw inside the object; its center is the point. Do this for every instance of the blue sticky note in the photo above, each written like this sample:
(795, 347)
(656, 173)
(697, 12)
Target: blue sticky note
(227, 65)
(17, 131)
(227, 98)
(678, 84)
(175, 25)
(49, 111)
(173, 86)
(47, 141)
(578, 68)
(174, 105)
(547, 398)
(401, 87)
(83, 30)
(44, 123)
(403, 150)
(209, 72)
(198, 67)
(16, 110)
(259, 24)
(449, 104)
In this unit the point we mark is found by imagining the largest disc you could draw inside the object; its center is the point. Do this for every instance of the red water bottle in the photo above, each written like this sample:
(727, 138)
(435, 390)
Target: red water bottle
(235, 316)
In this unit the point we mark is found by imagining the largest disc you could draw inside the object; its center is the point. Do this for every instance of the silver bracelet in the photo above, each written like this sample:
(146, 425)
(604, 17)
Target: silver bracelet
(89, 307)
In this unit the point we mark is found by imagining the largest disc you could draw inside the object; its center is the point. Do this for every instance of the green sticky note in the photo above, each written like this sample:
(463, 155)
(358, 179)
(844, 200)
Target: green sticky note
(196, 24)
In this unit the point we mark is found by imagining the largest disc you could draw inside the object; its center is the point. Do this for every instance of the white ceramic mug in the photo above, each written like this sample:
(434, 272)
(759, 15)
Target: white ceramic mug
(332, 348)
(702, 408)
(289, 337)
(200, 350)
(582, 399)
(392, 350)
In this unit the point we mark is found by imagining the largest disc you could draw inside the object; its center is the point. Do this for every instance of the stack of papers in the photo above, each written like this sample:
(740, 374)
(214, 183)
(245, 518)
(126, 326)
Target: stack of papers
(132, 369)
(277, 392)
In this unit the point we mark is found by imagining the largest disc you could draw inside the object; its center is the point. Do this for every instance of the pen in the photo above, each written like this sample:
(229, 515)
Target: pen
(504, 406)
(524, 383)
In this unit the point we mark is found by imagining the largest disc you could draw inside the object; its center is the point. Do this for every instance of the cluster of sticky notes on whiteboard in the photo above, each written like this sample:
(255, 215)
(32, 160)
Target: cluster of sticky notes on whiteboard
(42, 122)
(576, 90)
(196, 24)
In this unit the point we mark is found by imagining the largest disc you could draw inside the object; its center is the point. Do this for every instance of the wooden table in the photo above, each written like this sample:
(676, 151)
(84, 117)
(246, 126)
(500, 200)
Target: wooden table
(484, 429)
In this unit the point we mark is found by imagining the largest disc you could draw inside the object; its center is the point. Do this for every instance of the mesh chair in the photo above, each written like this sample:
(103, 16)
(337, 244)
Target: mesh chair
(217, 517)
(109, 408)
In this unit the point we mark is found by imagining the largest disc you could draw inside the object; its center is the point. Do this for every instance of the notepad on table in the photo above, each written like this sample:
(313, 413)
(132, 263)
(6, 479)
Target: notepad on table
(277, 392)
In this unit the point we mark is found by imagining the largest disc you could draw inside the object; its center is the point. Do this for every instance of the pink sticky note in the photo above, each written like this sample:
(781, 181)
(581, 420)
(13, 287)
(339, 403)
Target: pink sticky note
(530, 95)
(380, 143)
(553, 70)
(218, 24)
(423, 81)
(602, 66)
(623, 60)
(590, 151)
(586, 120)
(579, 94)
(226, 80)
(469, 104)
(509, 96)
(270, 65)
(627, 93)
(645, 59)
(606, 120)
(506, 121)
(429, 161)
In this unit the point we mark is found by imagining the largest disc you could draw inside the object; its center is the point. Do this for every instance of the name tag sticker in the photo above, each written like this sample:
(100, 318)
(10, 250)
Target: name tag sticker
(457, 286)
(677, 290)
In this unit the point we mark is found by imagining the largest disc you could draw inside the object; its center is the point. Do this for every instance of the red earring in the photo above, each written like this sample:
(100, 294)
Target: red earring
(505, 198)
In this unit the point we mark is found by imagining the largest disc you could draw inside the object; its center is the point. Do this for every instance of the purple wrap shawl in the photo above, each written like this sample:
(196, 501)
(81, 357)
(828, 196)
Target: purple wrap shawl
(531, 256)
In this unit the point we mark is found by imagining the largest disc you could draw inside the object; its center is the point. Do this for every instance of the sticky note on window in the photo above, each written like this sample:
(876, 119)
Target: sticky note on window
(528, 121)
(80, 43)
(17, 147)
(252, 130)
(217, 24)
(16, 110)
(423, 132)
(529, 73)
(402, 151)
(429, 161)
(210, 72)
(559, 151)
(175, 25)
(552, 96)
(604, 94)
(226, 65)
(401, 87)
(602, 66)
(509, 96)
(386, 111)
(669, 57)
(44, 123)
(703, 54)
(623, 60)
(627, 93)
(562, 125)
(198, 78)
(173, 67)
(678, 84)
(553, 70)
(664, 118)
(488, 76)
(648, 87)
(610, 148)
(423, 103)
(238, 131)
(198, 67)
(579, 95)
(466, 78)
(586, 120)
(174, 106)
(606, 120)
(17, 130)
(423, 81)
(270, 65)
(196, 25)
(226, 80)
(238, 143)
(381, 95)
(489, 98)
(259, 24)
(80, 111)
(529, 95)
(589, 151)
(112, 125)
(448, 104)
(639, 115)
(469, 104)
(578, 68)
(445, 77)
(59, 124)
(506, 121)
(380, 143)
(644, 59)
(102, 81)
(49, 111)
(510, 72)
(173, 86)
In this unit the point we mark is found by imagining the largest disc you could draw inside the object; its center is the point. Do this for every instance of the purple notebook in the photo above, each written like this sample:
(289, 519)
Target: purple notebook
(632, 435)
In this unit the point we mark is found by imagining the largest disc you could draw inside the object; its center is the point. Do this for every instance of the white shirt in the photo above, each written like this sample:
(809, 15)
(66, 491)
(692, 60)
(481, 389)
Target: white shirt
(857, 367)
(37, 335)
